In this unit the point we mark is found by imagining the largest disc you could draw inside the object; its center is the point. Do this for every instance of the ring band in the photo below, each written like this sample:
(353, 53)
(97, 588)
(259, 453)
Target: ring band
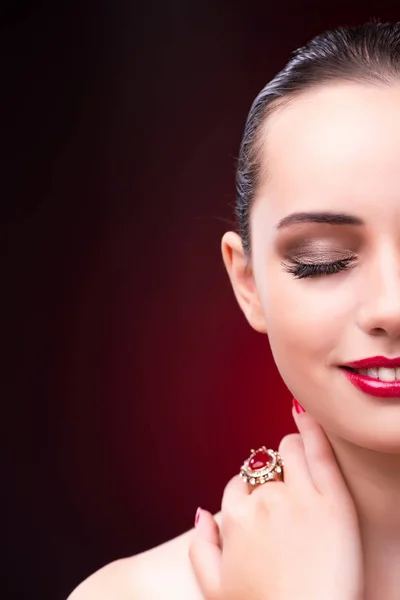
(262, 465)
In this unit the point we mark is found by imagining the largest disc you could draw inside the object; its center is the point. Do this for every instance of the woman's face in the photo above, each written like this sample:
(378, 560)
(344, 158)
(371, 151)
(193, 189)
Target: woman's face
(335, 150)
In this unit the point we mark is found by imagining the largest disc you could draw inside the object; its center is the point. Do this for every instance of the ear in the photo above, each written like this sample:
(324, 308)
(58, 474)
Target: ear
(241, 276)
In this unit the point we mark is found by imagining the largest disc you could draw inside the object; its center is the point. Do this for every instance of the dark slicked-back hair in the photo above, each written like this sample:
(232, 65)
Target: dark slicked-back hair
(368, 53)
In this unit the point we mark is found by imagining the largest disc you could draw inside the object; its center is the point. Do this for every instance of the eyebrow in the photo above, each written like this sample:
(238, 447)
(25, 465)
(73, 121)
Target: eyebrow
(330, 218)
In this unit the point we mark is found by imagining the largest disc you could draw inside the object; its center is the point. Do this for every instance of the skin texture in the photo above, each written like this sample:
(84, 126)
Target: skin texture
(333, 148)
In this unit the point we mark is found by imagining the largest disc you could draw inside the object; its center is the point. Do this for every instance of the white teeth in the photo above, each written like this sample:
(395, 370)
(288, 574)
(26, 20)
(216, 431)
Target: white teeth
(381, 373)
(386, 374)
(373, 372)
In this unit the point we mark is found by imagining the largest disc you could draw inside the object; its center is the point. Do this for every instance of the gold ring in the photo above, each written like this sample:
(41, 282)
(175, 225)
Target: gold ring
(262, 465)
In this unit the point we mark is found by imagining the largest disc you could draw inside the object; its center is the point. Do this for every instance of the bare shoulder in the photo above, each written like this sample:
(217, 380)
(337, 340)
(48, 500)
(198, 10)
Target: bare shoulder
(163, 572)
(115, 580)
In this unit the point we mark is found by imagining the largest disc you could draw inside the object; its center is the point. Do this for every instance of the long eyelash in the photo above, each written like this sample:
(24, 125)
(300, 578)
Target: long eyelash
(301, 270)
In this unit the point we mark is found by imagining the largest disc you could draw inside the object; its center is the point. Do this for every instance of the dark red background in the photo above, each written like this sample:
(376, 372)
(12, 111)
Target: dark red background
(133, 387)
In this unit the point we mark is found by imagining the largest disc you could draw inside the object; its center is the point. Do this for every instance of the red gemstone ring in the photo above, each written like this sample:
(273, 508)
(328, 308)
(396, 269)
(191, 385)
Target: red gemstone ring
(262, 465)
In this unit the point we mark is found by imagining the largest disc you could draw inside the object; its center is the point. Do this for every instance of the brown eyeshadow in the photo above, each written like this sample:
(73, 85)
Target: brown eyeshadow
(319, 243)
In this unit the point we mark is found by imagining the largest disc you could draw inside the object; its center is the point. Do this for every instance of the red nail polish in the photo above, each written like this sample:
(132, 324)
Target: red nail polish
(298, 406)
(197, 516)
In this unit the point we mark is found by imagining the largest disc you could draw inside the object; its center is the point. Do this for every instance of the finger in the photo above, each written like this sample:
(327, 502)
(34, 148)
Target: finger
(235, 508)
(296, 473)
(234, 494)
(233, 504)
(205, 554)
(320, 458)
(208, 527)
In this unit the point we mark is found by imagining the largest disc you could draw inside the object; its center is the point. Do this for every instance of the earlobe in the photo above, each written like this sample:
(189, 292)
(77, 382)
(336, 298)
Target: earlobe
(256, 317)
(242, 280)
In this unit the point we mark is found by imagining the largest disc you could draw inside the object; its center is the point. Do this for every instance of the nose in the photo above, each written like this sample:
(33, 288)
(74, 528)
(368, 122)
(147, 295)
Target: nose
(379, 314)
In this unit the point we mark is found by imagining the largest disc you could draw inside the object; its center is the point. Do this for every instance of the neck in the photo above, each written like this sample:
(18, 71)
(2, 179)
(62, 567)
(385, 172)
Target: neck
(373, 479)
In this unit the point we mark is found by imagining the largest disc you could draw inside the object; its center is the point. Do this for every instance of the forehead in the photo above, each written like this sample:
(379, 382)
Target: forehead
(336, 144)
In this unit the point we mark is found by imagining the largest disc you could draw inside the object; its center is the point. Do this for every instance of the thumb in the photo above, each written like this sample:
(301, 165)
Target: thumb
(205, 554)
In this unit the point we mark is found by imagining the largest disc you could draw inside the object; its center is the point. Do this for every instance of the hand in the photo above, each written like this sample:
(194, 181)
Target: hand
(296, 539)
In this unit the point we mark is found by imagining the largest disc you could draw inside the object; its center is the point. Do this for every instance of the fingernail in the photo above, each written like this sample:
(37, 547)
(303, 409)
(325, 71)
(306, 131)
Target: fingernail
(298, 407)
(198, 511)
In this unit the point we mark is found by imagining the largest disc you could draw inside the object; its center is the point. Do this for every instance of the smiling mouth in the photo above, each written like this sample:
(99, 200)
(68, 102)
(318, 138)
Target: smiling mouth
(378, 373)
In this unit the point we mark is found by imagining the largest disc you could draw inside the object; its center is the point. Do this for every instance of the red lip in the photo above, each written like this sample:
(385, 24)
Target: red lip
(376, 361)
(373, 387)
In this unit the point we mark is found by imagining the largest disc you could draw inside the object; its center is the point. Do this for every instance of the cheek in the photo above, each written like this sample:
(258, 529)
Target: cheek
(305, 320)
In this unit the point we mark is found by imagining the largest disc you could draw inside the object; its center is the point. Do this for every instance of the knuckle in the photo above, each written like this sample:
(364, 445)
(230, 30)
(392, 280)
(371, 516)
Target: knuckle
(232, 483)
(291, 442)
(262, 505)
(231, 487)
(234, 513)
(270, 498)
(320, 453)
(320, 458)
(234, 505)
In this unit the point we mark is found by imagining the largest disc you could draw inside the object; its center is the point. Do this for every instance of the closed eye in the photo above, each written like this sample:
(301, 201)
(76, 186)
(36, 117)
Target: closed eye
(302, 270)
